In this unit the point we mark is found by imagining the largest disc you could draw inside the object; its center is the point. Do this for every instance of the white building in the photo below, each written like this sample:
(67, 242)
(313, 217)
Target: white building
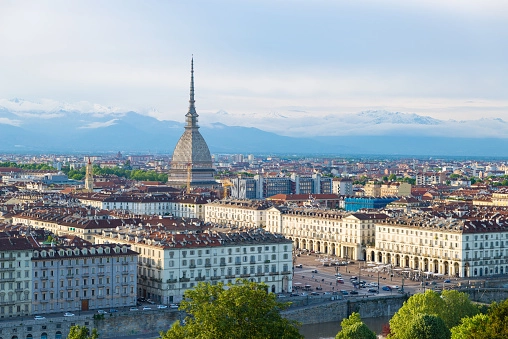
(240, 213)
(169, 264)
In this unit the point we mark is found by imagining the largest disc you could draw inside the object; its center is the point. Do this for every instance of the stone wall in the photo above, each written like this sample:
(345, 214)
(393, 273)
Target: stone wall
(486, 295)
(336, 310)
(113, 325)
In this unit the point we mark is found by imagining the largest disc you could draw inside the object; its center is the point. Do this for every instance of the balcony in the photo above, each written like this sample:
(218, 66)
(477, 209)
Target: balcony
(125, 263)
(125, 272)
(267, 261)
(143, 277)
(192, 266)
(230, 276)
(171, 281)
(259, 274)
(286, 272)
(210, 265)
(44, 278)
(7, 259)
(125, 283)
(238, 263)
(7, 269)
(252, 262)
(222, 264)
(7, 303)
(244, 275)
(202, 278)
(7, 279)
(216, 278)
(184, 279)
(125, 295)
(100, 273)
(69, 288)
(274, 273)
(100, 297)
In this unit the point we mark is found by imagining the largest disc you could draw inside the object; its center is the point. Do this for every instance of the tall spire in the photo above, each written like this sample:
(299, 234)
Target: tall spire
(191, 114)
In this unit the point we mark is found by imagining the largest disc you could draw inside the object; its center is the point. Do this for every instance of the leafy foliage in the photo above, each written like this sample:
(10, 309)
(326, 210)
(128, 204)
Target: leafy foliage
(354, 328)
(426, 326)
(451, 306)
(471, 328)
(237, 311)
(82, 332)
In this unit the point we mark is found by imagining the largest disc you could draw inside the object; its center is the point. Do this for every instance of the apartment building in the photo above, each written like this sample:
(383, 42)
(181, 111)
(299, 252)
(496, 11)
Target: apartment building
(342, 186)
(72, 278)
(169, 263)
(329, 232)
(185, 206)
(446, 246)
(15, 277)
(239, 213)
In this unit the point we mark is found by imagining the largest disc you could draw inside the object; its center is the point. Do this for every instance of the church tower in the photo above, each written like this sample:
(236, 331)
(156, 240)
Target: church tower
(191, 163)
(89, 177)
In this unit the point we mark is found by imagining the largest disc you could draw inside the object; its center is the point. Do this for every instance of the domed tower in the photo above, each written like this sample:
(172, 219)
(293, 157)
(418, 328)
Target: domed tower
(191, 162)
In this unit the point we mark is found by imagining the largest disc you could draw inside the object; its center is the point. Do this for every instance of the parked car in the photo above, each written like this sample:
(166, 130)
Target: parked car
(68, 314)
(314, 293)
(372, 290)
(353, 278)
(146, 308)
(161, 306)
(344, 292)
(386, 288)
(313, 271)
(353, 292)
(102, 312)
(133, 309)
(447, 281)
(303, 294)
(174, 306)
(150, 301)
(113, 310)
(299, 266)
(39, 317)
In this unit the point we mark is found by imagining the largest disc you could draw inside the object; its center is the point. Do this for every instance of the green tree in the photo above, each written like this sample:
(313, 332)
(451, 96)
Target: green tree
(471, 328)
(451, 306)
(426, 326)
(82, 332)
(235, 311)
(498, 320)
(392, 177)
(354, 328)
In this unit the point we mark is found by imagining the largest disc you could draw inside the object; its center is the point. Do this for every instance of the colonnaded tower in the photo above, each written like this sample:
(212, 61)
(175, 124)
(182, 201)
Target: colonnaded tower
(191, 165)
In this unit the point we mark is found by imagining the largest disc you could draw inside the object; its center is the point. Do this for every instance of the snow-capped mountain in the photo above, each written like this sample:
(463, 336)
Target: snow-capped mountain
(48, 125)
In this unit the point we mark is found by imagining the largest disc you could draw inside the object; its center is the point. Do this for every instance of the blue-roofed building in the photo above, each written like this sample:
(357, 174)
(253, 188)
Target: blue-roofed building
(353, 204)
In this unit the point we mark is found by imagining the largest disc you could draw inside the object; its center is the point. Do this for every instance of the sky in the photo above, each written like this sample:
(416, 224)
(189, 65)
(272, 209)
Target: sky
(442, 59)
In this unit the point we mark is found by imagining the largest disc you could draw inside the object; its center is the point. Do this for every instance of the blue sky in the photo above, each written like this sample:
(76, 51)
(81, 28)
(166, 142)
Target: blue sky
(444, 59)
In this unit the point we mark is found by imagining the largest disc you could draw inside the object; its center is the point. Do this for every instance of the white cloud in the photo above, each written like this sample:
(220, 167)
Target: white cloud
(100, 124)
(7, 121)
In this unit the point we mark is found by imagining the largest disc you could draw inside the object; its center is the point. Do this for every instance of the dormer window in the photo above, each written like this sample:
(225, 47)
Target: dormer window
(43, 254)
(107, 250)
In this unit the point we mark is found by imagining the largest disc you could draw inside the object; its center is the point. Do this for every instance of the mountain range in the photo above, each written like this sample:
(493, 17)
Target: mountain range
(52, 127)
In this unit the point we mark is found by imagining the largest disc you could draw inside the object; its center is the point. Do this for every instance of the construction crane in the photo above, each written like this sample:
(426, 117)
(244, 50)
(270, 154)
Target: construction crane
(226, 184)
(189, 170)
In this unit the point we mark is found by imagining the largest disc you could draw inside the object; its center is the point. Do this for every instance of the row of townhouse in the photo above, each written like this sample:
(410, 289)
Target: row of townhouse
(326, 231)
(443, 246)
(186, 206)
(169, 264)
(239, 213)
(399, 189)
(58, 279)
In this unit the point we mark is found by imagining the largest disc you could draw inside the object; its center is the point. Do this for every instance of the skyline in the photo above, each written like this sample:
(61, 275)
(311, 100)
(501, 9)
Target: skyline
(295, 59)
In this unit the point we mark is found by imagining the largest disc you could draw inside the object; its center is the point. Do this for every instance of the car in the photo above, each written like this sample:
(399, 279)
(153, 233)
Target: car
(447, 281)
(372, 290)
(174, 306)
(327, 293)
(353, 278)
(150, 301)
(303, 294)
(340, 281)
(39, 317)
(294, 294)
(313, 271)
(161, 307)
(281, 295)
(338, 275)
(344, 292)
(314, 293)
(386, 288)
(133, 309)
(68, 314)
(113, 310)
(299, 266)
(146, 308)
(102, 312)
(353, 292)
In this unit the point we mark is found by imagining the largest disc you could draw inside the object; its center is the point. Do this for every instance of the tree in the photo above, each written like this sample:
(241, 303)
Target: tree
(426, 326)
(354, 328)
(233, 311)
(82, 332)
(471, 328)
(498, 318)
(451, 306)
